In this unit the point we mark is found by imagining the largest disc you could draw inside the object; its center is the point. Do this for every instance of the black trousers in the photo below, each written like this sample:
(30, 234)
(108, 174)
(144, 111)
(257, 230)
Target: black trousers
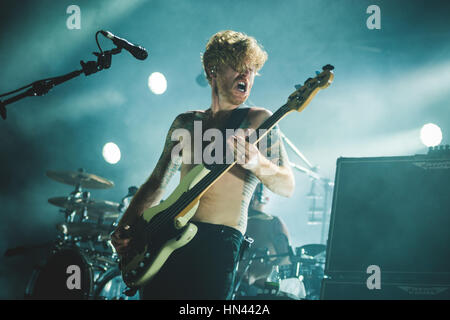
(204, 269)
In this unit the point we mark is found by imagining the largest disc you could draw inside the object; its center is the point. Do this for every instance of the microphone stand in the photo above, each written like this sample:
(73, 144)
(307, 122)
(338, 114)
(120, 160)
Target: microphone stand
(312, 173)
(42, 87)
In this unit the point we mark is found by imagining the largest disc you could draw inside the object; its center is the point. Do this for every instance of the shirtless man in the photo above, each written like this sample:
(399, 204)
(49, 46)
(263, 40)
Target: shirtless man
(204, 268)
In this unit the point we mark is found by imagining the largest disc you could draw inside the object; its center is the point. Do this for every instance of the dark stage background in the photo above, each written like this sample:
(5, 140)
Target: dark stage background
(388, 84)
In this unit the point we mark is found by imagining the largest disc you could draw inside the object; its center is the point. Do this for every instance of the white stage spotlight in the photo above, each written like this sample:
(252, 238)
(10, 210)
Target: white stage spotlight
(111, 153)
(157, 83)
(431, 135)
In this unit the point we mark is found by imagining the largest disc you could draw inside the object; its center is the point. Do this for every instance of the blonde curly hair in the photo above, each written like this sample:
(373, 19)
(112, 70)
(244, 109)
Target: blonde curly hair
(235, 49)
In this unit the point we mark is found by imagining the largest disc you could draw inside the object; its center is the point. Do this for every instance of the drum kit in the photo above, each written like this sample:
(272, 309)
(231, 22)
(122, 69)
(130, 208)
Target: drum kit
(300, 279)
(269, 268)
(83, 241)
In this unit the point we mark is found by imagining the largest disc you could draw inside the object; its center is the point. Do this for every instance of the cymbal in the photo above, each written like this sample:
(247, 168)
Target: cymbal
(80, 178)
(84, 230)
(95, 208)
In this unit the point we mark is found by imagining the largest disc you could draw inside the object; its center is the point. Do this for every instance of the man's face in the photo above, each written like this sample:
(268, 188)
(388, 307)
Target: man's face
(234, 86)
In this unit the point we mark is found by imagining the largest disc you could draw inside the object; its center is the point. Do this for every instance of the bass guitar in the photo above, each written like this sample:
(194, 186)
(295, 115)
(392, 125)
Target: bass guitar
(164, 228)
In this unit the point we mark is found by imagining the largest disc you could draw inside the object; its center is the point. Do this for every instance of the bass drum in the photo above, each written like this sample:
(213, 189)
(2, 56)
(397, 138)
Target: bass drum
(110, 286)
(56, 281)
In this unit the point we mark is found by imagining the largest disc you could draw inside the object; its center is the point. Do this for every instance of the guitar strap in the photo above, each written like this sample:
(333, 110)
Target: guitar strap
(237, 116)
(234, 122)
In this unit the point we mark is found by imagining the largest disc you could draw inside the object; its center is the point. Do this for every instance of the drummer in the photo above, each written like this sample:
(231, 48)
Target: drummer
(270, 237)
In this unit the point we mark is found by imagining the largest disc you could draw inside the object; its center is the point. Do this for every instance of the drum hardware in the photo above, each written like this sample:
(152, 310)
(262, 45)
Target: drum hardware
(241, 289)
(267, 257)
(83, 240)
(126, 200)
(85, 218)
(289, 271)
(85, 230)
(299, 280)
(96, 208)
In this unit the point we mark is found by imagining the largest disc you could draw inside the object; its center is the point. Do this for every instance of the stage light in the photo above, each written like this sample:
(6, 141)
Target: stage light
(157, 83)
(431, 135)
(111, 153)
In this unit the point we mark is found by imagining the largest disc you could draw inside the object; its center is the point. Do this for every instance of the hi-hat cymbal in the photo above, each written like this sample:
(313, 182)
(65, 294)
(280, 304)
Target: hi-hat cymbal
(80, 178)
(95, 208)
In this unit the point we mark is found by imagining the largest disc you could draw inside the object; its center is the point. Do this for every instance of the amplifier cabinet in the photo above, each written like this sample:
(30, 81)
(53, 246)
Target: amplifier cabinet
(394, 213)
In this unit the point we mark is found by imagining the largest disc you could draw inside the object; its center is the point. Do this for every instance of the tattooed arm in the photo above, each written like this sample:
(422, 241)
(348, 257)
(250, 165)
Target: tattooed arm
(270, 162)
(151, 192)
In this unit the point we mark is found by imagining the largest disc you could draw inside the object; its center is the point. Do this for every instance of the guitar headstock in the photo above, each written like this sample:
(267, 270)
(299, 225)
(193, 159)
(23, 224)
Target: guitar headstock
(299, 99)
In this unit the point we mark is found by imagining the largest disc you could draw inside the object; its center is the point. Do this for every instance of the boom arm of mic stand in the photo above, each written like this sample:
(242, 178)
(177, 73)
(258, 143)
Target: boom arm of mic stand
(310, 173)
(38, 88)
(42, 87)
(294, 148)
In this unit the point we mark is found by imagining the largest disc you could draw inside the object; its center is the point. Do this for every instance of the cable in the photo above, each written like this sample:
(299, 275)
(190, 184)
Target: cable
(98, 44)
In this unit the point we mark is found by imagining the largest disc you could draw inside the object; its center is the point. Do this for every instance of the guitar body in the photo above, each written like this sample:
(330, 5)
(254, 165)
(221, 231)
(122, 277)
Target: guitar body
(155, 248)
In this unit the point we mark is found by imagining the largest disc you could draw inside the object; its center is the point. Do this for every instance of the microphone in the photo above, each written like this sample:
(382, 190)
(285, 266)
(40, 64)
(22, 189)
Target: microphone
(137, 51)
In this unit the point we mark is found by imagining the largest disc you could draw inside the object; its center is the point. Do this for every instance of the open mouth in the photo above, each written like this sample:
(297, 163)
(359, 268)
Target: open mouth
(242, 86)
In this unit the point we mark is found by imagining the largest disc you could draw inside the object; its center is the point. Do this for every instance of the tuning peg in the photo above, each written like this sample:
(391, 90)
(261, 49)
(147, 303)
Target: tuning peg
(297, 86)
(317, 73)
(328, 67)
